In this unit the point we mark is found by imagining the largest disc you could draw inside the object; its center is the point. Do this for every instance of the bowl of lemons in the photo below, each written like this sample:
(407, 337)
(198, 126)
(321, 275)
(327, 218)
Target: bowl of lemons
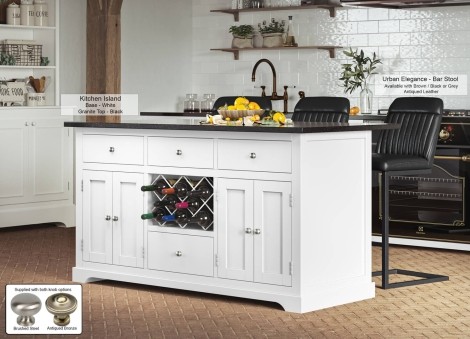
(242, 107)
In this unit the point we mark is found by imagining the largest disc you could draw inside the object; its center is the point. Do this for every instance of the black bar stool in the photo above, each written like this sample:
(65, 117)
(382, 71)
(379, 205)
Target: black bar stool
(322, 109)
(408, 150)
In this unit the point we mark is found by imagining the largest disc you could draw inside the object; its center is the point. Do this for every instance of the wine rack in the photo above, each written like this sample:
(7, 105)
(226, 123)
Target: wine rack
(193, 183)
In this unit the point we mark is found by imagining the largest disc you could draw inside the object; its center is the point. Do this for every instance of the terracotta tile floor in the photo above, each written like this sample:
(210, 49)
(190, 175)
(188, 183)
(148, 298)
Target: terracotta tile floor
(45, 254)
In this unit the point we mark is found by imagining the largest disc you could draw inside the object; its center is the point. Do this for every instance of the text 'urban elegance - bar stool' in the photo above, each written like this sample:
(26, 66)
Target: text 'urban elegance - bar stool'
(408, 150)
(322, 109)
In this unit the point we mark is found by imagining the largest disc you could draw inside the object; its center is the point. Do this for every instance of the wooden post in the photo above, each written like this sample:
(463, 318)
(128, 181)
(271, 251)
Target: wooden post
(103, 50)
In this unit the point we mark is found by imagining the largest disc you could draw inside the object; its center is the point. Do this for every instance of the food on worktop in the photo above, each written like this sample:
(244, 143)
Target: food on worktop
(354, 110)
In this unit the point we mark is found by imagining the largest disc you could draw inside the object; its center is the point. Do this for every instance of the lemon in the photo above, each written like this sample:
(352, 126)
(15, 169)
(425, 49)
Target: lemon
(241, 101)
(279, 117)
(231, 108)
(354, 110)
(253, 105)
(240, 107)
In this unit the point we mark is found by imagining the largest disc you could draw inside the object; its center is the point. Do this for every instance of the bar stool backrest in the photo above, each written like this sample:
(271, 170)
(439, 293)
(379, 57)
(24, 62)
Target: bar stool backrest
(322, 109)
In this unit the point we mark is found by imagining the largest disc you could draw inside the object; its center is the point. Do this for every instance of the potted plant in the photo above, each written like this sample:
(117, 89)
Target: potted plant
(272, 32)
(356, 75)
(242, 36)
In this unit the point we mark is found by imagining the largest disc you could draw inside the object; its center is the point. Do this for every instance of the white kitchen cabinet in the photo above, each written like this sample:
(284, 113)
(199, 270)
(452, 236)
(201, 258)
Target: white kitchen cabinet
(112, 228)
(36, 175)
(254, 231)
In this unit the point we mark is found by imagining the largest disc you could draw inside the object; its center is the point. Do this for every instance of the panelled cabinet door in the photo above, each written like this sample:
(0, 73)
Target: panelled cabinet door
(14, 154)
(128, 227)
(272, 232)
(97, 216)
(50, 159)
(235, 229)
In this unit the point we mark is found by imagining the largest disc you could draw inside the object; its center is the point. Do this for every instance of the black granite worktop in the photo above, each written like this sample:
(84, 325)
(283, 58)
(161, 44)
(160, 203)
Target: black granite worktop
(163, 123)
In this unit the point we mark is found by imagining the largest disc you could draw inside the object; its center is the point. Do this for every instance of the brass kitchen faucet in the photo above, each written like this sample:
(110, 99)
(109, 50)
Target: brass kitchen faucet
(274, 95)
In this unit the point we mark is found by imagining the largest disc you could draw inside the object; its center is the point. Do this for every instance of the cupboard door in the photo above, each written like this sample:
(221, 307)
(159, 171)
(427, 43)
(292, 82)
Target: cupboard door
(272, 232)
(97, 216)
(235, 229)
(128, 227)
(14, 168)
(51, 159)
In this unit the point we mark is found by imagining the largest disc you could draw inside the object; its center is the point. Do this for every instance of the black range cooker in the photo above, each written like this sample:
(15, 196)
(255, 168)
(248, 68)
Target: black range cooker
(433, 210)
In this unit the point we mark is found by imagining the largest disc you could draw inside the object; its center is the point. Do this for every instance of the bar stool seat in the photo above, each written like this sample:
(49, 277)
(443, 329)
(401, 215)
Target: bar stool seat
(407, 151)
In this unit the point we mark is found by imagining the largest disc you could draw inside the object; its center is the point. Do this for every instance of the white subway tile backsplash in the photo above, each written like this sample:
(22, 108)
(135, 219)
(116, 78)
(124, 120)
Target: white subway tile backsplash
(407, 40)
(368, 27)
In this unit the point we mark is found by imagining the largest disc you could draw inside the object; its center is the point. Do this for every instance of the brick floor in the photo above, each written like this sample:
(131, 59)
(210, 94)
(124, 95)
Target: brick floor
(45, 254)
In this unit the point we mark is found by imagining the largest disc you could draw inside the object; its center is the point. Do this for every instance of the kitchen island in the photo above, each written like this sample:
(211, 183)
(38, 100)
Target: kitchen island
(287, 210)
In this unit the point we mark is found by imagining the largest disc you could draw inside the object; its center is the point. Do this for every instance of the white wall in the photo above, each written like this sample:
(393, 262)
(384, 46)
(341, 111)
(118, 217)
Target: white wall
(408, 41)
(156, 52)
(72, 31)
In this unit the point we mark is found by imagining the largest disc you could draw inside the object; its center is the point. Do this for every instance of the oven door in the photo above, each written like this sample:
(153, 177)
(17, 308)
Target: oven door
(431, 206)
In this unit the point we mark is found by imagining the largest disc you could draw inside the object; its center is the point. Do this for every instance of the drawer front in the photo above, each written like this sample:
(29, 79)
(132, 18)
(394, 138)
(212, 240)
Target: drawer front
(255, 155)
(181, 152)
(181, 253)
(113, 149)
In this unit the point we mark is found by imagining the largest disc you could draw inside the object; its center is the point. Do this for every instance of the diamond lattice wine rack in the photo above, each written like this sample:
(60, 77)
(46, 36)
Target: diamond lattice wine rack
(181, 202)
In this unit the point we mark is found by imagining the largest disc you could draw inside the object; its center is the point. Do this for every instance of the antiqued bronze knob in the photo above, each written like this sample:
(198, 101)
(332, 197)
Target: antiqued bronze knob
(61, 305)
(26, 305)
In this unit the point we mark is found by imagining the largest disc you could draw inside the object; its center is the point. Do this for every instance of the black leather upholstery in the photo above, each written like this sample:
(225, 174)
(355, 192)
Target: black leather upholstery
(413, 145)
(263, 102)
(322, 109)
(408, 150)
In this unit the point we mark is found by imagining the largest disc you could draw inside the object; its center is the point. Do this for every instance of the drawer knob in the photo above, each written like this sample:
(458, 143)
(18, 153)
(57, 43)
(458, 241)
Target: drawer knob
(179, 253)
(257, 231)
(111, 149)
(61, 305)
(115, 218)
(26, 305)
(248, 230)
(179, 152)
(108, 218)
(253, 155)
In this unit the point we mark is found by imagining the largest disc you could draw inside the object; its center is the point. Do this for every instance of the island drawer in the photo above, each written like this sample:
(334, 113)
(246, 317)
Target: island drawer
(113, 149)
(181, 253)
(255, 155)
(181, 152)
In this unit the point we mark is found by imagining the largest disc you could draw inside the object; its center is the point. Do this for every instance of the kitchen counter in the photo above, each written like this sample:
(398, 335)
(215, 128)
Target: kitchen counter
(288, 221)
(193, 124)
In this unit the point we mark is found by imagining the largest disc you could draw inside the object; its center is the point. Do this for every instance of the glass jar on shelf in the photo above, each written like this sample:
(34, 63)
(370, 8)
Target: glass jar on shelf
(207, 103)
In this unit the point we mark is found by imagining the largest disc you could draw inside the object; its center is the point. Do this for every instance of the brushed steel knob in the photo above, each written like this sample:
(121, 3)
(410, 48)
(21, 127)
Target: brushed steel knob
(26, 123)
(111, 149)
(61, 305)
(248, 230)
(253, 155)
(179, 152)
(444, 134)
(179, 253)
(257, 231)
(26, 305)
(115, 218)
(108, 218)
(33, 124)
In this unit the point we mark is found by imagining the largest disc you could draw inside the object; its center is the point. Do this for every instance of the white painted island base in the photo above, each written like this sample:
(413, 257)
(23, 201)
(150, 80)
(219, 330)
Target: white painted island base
(292, 221)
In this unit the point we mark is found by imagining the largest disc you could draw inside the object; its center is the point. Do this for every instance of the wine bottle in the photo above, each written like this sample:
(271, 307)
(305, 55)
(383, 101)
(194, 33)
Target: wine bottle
(158, 215)
(203, 218)
(203, 191)
(192, 204)
(158, 187)
(290, 37)
(180, 189)
(169, 201)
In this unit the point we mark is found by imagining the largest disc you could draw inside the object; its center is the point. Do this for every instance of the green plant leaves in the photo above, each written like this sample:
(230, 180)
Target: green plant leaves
(355, 74)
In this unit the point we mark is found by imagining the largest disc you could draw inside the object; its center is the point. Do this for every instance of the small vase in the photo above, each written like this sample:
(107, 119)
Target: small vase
(273, 40)
(366, 97)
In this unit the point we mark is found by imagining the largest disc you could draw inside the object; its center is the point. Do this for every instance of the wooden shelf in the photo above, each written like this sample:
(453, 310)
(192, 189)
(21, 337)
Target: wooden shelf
(236, 12)
(236, 51)
(403, 4)
(27, 67)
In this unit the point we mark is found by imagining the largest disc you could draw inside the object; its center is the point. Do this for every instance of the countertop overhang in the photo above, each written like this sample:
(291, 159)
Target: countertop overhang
(195, 125)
